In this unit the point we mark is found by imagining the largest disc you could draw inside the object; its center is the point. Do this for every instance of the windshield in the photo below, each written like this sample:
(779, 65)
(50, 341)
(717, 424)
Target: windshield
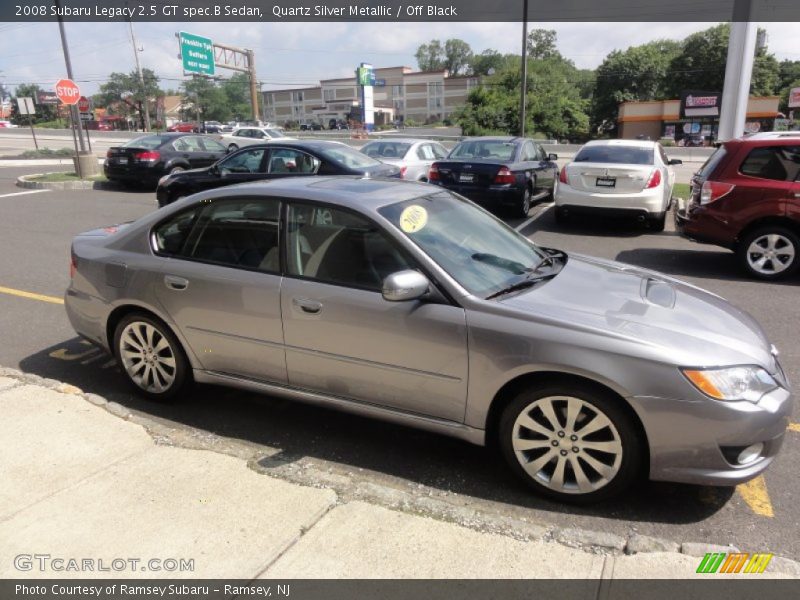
(148, 141)
(480, 252)
(617, 154)
(485, 149)
(347, 156)
(386, 149)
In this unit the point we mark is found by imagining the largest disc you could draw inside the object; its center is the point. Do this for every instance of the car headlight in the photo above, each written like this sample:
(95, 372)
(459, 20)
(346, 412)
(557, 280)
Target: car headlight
(732, 383)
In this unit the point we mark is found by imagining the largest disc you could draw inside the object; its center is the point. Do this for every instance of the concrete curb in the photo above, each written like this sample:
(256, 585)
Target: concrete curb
(24, 182)
(348, 490)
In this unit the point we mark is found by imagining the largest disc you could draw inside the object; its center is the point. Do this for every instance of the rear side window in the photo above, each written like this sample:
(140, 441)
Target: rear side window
(711, 164)
(620, 155)
(779, 163)
(171, 236)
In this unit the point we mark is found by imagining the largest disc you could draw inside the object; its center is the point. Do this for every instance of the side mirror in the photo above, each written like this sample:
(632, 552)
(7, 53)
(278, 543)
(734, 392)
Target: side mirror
(552, 157)
(405, 285)
(675, 161)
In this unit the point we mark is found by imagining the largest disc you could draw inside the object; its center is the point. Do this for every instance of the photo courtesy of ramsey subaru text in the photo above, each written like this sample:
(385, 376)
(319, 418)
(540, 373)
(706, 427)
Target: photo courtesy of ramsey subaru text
(406, 302)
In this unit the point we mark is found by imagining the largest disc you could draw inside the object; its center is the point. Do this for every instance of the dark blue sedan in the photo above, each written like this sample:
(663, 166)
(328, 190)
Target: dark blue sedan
(498, 172)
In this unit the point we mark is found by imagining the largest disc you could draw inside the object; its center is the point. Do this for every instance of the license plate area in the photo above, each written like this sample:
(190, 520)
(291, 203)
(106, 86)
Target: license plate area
(607, 182)
(466, 177)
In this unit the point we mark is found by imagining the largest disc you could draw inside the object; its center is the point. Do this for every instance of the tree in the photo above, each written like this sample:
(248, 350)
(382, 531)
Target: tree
(542, 44)
(701, 64)
(458, 56)
(430, 56)
(123, 94)
(209, 97)
(488, 62)
(237, 94)
(637, 74)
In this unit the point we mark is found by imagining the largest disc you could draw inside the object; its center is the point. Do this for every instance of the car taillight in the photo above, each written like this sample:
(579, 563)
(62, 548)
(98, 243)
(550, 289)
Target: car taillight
(433, 173)
(504, 175)
(403, 170)
(714, 190)
(148, 156)
(562, 176)
(655, 179)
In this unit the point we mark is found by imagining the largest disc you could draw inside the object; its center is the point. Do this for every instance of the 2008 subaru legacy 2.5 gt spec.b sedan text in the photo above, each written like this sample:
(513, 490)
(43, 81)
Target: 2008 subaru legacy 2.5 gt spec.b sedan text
(406, 302)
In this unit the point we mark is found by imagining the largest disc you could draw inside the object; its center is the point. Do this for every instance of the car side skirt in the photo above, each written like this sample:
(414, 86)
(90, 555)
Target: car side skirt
(440, 426)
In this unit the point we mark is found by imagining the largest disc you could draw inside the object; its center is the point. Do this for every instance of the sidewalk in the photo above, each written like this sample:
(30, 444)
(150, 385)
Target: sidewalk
(80, 482)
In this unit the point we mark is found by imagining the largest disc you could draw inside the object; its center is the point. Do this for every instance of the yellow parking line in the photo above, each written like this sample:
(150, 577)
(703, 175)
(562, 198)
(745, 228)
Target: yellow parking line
(794, 427)
(756, 496)
(31, 295)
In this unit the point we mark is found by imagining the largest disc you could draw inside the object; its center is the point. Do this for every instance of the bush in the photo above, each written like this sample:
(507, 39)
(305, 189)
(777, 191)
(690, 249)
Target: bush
(57, 124)
(667, 142)
(47, 152)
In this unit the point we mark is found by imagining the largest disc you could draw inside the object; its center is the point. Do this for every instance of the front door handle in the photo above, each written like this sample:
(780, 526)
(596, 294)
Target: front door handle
(176, 283)
(308, 306)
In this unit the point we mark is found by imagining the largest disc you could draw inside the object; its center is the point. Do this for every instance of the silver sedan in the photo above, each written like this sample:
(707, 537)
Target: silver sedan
(413, 156)
(401, 301)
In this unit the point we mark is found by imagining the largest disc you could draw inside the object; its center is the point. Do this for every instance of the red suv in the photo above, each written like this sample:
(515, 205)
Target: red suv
(746, 197)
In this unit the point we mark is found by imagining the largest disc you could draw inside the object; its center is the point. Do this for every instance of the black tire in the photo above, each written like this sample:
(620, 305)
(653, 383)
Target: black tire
(658, 222)
(780, 267)
(525, 204)
(181, 374)
(628, 468)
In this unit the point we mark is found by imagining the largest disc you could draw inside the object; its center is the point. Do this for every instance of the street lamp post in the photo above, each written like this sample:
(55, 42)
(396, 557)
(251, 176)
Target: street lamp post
(524, 86)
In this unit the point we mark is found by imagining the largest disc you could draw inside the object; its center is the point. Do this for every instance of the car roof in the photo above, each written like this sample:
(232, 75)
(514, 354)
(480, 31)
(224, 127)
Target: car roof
(401, 140)
(629, 143)
(361, 193)
(494, 138)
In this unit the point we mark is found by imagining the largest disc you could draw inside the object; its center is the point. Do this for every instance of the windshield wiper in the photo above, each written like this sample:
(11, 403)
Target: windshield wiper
(501, 263)
(521, 285)
(548, 259)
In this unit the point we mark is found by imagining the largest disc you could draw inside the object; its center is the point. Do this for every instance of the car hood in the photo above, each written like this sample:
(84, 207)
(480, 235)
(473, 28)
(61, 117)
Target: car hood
(683, 323)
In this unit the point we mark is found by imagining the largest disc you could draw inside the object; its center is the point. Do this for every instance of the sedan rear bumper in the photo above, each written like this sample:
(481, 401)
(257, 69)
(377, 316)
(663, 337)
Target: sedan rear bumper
(648, 201)
(488, 196)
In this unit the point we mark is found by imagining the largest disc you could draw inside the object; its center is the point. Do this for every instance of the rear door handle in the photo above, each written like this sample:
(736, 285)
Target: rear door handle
(308, 306)
(176, 283)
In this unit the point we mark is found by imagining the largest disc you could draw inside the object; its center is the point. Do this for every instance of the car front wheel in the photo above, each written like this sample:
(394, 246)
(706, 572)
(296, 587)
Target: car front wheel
(571, 443)
(769, 252)
(151, 357)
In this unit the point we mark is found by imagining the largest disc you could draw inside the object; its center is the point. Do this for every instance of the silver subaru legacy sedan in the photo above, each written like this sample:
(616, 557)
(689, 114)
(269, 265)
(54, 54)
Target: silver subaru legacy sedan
(405, 302)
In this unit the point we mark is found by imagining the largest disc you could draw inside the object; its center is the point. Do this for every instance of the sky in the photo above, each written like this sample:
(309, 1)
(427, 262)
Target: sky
(300, 54)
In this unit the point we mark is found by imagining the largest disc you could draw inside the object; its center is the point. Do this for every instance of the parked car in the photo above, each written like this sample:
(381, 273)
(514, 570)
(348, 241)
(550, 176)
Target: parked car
(414, 157)
(281, 158)
(211, 127)
(498, 172)
(142, 161)
(184, 127)
(746, 197)
(7, 124)
(246, 136)
(399, 301)
(618, 177)
(337, 124)
(310, 127)
(694, 140)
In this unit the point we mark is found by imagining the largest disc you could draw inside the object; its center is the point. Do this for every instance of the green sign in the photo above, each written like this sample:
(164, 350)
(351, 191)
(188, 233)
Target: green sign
(197, 54)
(366, 76)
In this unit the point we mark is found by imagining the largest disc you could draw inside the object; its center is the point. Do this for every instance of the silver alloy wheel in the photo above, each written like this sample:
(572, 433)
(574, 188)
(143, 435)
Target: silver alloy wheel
(526, 201)
(147, 357)
(567, 445)
(770, 254)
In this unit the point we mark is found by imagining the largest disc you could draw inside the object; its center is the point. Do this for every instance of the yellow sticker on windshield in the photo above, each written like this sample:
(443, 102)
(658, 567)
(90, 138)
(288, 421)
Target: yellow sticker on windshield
(413, 218)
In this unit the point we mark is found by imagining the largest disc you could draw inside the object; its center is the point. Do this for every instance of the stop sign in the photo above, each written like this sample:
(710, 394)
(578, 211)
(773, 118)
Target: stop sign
(83, 104)
(67, 91)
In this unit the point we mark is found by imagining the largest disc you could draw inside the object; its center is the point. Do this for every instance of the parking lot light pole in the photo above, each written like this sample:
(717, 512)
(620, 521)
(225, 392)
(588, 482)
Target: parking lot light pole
(738, 72)
(524, 84)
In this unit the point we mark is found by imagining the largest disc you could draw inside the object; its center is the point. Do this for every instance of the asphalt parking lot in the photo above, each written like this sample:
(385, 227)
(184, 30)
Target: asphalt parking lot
(35, 336)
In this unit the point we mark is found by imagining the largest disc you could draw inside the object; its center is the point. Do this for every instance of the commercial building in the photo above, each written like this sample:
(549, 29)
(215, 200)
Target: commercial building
(406, 95)
(661, 118)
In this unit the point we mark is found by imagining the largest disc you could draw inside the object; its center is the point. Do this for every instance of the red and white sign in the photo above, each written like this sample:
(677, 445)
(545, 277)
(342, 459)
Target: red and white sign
(68, 91)
(83, 104)
(794, 97)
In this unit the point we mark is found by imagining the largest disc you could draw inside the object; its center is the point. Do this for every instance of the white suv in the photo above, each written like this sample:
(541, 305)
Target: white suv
(625, 177)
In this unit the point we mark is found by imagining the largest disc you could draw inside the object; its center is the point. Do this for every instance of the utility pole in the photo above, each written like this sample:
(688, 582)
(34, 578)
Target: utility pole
(251, 66)
(73, 109)
(738, 72)
(136, 51)
(524, 86)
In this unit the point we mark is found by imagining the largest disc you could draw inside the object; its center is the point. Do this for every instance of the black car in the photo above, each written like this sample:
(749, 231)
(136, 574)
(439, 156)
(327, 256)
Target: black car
(211, 127)
(276, 159)
(498, 172)
(144, 160)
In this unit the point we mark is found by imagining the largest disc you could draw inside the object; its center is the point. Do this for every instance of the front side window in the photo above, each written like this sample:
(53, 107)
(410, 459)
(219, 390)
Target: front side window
(190, 143)
(239, 233)
(780, 163)
(247, 161)
(386, 149)
(480, 252)
(210, 145)
(338, 247)
(289, 160)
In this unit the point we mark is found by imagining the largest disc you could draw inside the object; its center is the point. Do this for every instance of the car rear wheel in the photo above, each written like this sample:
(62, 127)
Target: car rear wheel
(232, 147)
(151, 357)
(769, 252)
(571, 443)
(525, 203)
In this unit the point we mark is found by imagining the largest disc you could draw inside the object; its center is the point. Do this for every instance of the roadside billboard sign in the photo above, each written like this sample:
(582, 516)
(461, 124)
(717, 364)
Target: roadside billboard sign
(43, 97)
(696, 103)
(197, 53)
(794, 97)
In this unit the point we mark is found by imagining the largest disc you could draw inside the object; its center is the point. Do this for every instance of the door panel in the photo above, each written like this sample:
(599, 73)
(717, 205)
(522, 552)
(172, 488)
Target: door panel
(406, 355)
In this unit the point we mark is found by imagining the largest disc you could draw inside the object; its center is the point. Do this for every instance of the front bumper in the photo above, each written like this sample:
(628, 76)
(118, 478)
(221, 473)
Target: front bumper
(696, 441)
